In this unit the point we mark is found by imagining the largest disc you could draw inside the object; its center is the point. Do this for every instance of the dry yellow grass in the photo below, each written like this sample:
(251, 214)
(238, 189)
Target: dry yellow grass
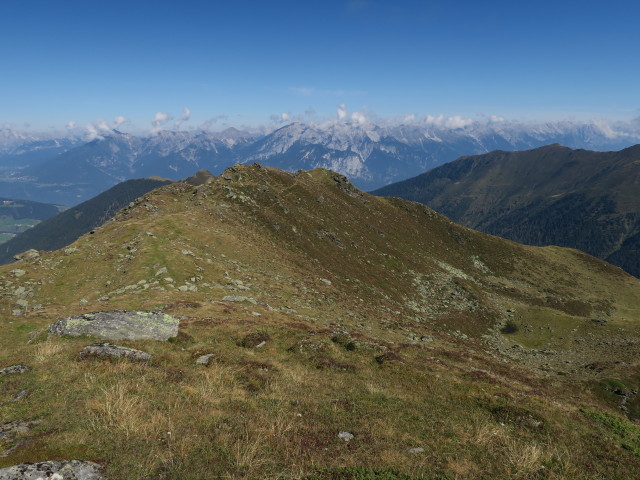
(43, 351)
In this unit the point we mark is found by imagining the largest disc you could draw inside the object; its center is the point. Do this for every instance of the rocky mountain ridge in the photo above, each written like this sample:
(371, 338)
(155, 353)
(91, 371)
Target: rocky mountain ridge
(371, 155)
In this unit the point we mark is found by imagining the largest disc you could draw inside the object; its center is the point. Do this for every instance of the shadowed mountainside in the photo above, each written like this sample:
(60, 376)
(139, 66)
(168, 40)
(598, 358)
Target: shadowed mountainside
(548, 196)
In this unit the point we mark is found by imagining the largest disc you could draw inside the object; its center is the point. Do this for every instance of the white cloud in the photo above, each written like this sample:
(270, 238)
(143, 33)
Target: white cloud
(606, 129)
(186, 115)
(91, 132)
(119, 120)
(448, 122)
(71, 125)
(408, 118)
(159, 120)
(341, 112)
(358, 118)
(285, 117)
(102, 125)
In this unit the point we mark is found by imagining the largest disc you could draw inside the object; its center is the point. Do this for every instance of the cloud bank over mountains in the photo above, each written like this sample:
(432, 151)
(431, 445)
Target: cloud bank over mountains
(366, 118)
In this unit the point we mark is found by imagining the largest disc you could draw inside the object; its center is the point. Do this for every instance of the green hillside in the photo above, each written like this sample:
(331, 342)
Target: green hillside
(350, 336)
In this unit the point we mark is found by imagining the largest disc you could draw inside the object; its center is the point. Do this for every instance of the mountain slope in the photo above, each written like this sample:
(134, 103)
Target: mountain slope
(64, 228)
(548, 196)
(345, 330)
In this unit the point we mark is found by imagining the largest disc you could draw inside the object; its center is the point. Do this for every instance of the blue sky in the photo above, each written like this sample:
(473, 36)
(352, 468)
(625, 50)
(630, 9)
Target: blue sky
(240, 63)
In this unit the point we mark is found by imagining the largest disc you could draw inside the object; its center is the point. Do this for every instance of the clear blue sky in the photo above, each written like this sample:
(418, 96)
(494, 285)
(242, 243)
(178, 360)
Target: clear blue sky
(67, 60)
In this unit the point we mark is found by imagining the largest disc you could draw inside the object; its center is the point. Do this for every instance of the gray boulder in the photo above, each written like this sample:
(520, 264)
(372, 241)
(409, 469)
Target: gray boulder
(66, 470)
(346, 436)
(13, 369)
(106, 350)
(119, 325)
(205, 359)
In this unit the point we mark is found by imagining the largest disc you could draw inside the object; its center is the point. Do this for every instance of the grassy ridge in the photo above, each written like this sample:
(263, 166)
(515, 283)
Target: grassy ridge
(379, 317)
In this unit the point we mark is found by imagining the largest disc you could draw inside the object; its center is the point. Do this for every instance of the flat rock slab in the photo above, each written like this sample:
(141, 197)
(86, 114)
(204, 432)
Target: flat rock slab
(205, 359)
(119, 325)
(239, 298)
(66, 470)
(108, 350)
(13, 369)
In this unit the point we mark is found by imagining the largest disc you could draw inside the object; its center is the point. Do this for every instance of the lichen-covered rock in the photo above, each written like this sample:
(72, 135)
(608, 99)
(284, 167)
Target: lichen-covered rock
(12, 429)
(239, 298)
(53, 470)
(28, 255)
(119, 325)
(113, 351)
(13, 369)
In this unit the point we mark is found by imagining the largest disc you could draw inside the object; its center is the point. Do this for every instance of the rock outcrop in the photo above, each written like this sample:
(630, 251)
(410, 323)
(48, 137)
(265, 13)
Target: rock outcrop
(13, 369)
(119, 325)
(108, 350)
(66, 470)
(28, 255)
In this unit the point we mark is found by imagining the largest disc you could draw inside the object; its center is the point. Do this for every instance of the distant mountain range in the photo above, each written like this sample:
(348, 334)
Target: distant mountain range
(68, 171)
(547, 196)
